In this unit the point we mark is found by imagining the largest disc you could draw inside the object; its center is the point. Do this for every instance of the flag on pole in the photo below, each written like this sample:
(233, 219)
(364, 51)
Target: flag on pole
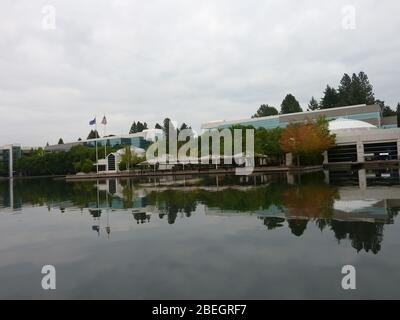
(92, 122)
(104, 121)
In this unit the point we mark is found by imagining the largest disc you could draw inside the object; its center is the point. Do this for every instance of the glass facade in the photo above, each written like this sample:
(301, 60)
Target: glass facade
(278, 122)
(138, 142)
(5, 159)
(262, 123)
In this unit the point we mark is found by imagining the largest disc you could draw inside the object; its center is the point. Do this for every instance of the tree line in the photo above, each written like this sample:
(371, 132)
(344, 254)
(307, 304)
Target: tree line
(352, 90)
(78, 159)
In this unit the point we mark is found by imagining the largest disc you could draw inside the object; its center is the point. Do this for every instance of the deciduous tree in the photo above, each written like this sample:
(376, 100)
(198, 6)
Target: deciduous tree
(304, 139)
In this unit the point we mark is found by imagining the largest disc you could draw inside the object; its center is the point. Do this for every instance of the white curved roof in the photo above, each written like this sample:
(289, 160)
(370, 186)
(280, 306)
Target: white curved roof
(342, 123)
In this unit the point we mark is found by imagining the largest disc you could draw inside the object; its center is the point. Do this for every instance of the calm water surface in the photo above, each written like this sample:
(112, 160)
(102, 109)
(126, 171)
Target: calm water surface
(257, 237)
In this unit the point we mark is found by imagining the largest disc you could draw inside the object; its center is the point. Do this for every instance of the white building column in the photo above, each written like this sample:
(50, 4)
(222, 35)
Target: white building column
(289, 159)
(325, 154)
(11, 193)
(398, 149)
(290, 178)
(362, 179)
(326, 176)
(360, 152)
(11, 163)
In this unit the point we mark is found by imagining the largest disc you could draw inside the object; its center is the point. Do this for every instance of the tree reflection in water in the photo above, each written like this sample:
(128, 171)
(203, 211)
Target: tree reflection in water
(277, 203)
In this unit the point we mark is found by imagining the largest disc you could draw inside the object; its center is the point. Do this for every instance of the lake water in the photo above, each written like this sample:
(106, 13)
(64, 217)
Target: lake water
(225, 237)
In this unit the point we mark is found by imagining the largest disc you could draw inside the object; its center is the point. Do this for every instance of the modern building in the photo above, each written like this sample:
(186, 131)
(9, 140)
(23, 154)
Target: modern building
(111, 163)
(368, 113)
(9, 154)
(138, 140)
(362, 133)
(359, 142)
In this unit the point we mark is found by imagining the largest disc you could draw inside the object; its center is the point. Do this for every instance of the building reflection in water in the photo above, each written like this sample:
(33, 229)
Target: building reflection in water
(353, 204)
(7, 200)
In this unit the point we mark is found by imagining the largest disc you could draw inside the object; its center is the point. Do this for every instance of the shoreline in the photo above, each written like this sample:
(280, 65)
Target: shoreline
(227, 171)
(191, 172)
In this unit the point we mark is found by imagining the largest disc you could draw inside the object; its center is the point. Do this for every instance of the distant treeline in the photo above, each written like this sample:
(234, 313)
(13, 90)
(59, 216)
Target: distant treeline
(352, 90)
(78, 159)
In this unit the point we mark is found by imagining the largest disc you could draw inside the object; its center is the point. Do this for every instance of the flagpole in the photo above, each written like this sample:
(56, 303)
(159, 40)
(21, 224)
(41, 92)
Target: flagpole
(97, 157)
(105, 143)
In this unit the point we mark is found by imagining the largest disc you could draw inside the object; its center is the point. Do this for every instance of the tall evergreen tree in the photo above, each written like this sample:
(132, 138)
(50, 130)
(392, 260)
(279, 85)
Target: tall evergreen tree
(290, 105)
(265, 110)
(60, 141)
(357, 95)
(398, 114)
(330, 98)
(93, 134)
(133, 128)
(345, 91)
(138, 127)
(313, 104)
(166, 124)
(355, 90)
(367, 93)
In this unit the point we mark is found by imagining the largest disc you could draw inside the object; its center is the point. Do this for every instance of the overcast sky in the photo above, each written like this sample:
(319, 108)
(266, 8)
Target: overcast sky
(191, 60)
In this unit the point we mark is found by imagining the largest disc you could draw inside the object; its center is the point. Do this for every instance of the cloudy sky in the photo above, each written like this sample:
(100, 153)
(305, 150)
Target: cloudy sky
(191, 60)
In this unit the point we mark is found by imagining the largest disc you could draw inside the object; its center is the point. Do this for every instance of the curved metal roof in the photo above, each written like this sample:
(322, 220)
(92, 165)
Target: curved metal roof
(342, 123)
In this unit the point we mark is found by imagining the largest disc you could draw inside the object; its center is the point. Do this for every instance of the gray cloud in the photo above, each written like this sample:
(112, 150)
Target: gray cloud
(192, 61)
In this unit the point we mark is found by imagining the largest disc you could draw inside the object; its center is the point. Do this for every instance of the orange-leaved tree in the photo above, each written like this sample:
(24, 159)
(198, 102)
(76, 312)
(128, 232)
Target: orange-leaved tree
(304, 139)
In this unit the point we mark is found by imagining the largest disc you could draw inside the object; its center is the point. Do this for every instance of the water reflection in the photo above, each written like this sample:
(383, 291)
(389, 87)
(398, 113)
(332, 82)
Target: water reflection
(353, 205)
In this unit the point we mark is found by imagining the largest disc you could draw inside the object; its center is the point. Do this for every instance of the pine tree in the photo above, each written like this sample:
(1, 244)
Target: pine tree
(167, 123)
(265, 110)
(345, 91)
(313, 104)
(60, 141)
(93, 134)
(398, 114)
(290, 105)
(138, 127)
(355, 90)
(133, 128)
(330, 98)
(366, 89)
